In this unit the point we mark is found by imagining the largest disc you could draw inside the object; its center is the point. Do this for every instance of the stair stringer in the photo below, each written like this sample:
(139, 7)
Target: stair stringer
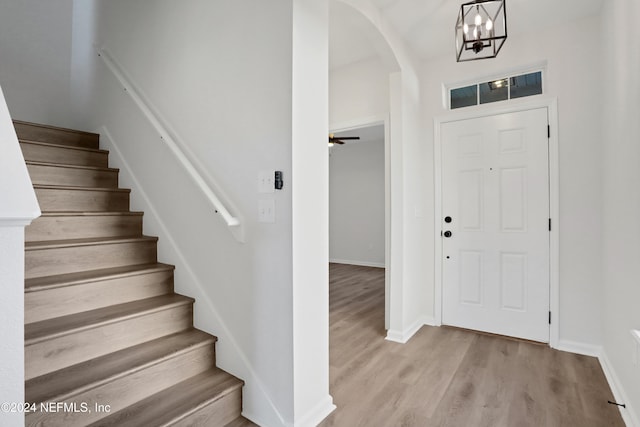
(229, 354)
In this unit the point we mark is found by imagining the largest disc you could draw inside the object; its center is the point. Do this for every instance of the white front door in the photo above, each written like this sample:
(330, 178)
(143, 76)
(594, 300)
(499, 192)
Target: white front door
(495, 223)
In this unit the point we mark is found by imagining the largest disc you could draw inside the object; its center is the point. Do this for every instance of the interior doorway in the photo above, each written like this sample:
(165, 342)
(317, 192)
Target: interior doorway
(359, 198)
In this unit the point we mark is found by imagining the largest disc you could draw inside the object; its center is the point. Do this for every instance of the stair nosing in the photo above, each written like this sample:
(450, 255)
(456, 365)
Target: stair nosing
(71, 166)
(52, 127)
(226, 386)
(70, 147)
(234, 384)
(205, 340)
(128, 271)
(67, 187)
(178, 300)
(95, 241)
(91, 213)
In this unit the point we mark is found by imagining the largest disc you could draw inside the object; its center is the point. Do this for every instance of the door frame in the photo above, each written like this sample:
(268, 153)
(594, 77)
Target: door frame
(382, 119)
(551, 104)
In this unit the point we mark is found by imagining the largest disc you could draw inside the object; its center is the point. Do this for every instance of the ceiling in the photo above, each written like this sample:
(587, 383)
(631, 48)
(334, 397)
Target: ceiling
(427, 26)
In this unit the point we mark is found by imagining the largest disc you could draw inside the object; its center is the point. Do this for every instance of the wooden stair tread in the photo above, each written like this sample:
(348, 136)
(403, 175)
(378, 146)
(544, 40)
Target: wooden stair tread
(102, 321)
(66, 187)
(52, 244)
(66, 382)
(177, 402)
(70, 166)
(70, 279)
(66, 147)
(62, 135)
(100, 213)
(57, 128)
(53, 328)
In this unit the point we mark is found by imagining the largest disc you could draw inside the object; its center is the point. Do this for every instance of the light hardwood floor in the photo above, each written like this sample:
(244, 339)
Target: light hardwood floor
(449, 377)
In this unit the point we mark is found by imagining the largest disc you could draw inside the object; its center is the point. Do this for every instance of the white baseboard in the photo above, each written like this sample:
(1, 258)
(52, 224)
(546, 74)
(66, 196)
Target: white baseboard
(403, 336)
(579, 348)
(317, 414)
(360, 263)
(629, 415)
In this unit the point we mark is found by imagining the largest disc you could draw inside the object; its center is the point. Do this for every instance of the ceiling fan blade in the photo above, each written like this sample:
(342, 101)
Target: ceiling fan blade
(339, 140)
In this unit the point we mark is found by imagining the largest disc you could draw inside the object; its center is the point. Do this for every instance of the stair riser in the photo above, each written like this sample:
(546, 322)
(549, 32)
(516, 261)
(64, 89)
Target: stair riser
(57, 302)
(129, 389)
(83, 227)
(65, 156)
(64, 200)
(217, 414)
(50, 355)
(63, 260)
(58, 175)
(56, 136)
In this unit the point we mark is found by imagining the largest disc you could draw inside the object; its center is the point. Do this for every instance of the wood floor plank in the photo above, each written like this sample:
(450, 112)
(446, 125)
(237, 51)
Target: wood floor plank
(448, 376)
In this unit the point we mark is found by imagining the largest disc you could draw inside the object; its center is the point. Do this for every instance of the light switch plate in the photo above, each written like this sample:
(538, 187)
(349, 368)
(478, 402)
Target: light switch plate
(266, 182)
(267, 211)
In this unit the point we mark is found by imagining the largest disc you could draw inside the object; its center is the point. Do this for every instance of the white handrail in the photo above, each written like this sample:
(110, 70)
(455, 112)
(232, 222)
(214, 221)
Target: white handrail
(171, 141)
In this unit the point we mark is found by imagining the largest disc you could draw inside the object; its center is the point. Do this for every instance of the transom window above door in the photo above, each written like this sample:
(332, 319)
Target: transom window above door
(501, 89)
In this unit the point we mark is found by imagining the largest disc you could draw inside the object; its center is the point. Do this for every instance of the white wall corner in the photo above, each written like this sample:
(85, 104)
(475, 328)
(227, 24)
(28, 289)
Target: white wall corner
(629, 414)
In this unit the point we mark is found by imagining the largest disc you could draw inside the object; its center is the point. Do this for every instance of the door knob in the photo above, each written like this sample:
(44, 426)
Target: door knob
(448, 234)
(447, 219)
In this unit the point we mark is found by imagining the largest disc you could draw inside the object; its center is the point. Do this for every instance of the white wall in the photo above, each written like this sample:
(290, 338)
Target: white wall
(620, 296)
(19, 206)
(12, 320)
(574, 79)
(310, 212)
(35, 70)
(225, 76)
(358, 91)
(356, 203)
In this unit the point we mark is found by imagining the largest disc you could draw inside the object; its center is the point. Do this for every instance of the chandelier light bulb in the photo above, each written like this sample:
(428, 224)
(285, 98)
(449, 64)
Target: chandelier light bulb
(489, 25)
(478, 20)
(466, 28)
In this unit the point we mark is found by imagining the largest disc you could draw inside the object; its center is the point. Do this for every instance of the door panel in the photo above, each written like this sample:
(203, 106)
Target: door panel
(495, 187)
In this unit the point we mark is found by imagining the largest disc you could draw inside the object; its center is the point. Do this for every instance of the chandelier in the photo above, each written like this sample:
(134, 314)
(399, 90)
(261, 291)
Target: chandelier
(481, 29)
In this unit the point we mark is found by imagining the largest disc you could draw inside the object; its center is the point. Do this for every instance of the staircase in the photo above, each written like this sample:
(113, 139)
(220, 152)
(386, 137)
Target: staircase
(107, 341)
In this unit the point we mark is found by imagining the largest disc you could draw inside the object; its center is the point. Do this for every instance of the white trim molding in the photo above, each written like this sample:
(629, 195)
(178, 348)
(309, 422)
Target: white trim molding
(579, 348)
(358, 263)
(629, 414)
(403, 337)
(551, 104)
(382, 119)
(317, 414)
